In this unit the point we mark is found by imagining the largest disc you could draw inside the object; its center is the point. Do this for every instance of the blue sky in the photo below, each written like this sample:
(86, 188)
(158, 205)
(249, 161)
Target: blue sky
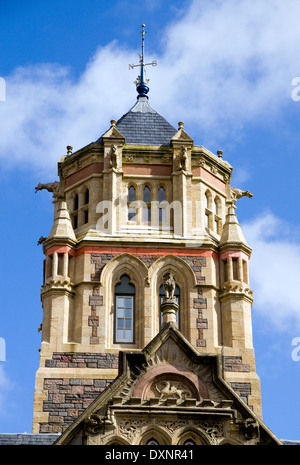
(226, 69)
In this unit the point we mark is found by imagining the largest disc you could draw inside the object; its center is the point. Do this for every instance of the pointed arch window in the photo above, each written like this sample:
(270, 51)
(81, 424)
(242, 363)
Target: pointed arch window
(86, 196)
(208, 213)
(147, 204)
(76, 202)
(161, 207)
(131, 208)
(152, 442)
(177, 299)
(124, 311)
(75, 211)
(217, 215)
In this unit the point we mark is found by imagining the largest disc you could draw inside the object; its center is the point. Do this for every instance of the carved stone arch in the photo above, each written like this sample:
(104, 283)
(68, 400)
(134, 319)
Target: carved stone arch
(193, 433)
(117, 441)
(184, 278)
(147, 184)
(136, 270)
(182, 384)
(229, 442)
(82, 193)
(154, 432)
(208, 199)
(133, 184)
(165, 187)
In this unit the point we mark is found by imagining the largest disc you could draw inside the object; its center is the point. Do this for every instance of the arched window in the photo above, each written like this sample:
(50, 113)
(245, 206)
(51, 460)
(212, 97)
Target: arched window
(161, 208)
(124, 311)
(75, 211)
(152, 442)
(189, 442)
(177, 298)
(86, 197)
(131, 208)
(86, 200)
(217, 215)
(161, 194)
(75, 202)
(147, 204)
(207, 210)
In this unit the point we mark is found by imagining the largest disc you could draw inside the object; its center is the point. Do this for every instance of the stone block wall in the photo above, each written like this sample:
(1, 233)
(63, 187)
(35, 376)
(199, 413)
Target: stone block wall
(68, 397)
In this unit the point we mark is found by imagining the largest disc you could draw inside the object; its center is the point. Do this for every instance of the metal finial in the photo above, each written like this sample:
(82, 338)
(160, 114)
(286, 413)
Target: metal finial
(69, 149)
(142, 87)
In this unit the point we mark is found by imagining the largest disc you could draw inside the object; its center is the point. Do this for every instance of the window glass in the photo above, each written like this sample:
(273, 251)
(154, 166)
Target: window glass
(147, 195)
(152, 442)
(161, 194)
(75, 204)
(131, 194)
(124, 312)
(86, 196)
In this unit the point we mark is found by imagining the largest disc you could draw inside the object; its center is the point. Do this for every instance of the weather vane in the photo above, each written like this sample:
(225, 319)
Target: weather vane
(142, 87)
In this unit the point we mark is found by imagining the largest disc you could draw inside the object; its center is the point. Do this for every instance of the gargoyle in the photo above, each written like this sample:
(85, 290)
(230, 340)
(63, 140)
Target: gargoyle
(238, 193)
(50, 187)
(41, 240)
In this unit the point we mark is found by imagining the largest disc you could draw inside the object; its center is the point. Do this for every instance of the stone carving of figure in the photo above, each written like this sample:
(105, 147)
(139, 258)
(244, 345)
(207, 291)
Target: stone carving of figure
(113, 162)
(169, 285)
(183, 160)
(50, 187)
(174, 391)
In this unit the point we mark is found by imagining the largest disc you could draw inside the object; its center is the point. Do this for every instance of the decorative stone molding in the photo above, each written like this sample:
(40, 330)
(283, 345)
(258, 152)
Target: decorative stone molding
(58, 283)
(235, 288)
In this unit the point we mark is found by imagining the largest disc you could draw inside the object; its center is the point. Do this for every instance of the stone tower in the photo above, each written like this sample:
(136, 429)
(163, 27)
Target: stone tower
(145, 248)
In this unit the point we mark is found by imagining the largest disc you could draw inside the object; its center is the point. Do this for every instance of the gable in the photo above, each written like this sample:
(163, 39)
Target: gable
(171, 393)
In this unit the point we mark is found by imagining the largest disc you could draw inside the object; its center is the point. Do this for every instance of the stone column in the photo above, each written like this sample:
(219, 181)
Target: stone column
(54, 264)
(240, 268)
(229, 269)
(66, 264)
(169, 308)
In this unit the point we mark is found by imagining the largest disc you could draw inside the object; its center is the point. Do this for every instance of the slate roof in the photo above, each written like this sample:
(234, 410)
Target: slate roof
(27, 439)
(144, 126)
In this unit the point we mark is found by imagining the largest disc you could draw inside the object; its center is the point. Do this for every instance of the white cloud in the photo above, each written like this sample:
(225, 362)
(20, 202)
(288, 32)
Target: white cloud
(45, 110)
(5, 386)
(274, 271)
(224, 64)
(232, 60)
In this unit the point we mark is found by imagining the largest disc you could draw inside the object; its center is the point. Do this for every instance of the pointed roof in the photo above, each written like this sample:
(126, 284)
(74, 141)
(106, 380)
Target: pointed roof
(142, 125)
(232, 235)
(62, 226)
